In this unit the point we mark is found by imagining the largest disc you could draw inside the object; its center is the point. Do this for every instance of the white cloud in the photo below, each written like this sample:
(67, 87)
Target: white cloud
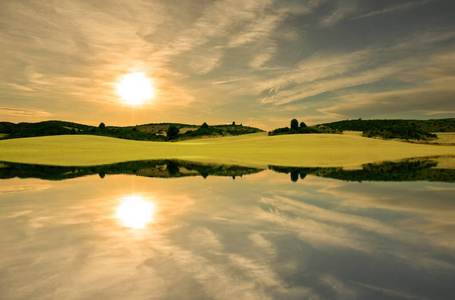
(23, 112)
(392, 9)
(261, 58)
(434, 96)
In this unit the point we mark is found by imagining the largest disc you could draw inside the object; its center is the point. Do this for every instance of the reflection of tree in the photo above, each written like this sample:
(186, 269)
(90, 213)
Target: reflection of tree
(172, 168)
(409, 170)
(154, 168)
(294, 176)
(295, 172)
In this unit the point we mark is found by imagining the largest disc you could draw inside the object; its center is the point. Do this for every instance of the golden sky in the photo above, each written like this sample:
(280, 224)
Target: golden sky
(256, 62)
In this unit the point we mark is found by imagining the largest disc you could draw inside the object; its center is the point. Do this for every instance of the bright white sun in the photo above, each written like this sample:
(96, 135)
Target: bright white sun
(135, 88)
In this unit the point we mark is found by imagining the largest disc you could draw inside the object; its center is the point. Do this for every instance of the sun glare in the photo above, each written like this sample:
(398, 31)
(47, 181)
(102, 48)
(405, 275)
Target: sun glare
(135, 88)
(134, 212)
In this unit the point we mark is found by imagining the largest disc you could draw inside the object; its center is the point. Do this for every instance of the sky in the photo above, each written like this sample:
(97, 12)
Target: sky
(256, 62)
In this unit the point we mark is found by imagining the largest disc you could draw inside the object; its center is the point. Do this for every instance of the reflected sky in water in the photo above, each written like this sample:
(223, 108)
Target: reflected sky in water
(135, 212)
(257, 237)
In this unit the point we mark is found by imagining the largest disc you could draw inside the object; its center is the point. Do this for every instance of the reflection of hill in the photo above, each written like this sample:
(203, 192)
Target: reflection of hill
(154, 168)
(409, 170)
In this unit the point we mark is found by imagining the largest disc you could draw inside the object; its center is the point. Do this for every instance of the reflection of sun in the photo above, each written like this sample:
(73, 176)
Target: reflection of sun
(134, 88)
(134, 212)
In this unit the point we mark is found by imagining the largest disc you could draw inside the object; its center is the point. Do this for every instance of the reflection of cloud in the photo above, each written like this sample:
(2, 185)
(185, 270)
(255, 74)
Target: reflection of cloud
(256, 271)
(246, 279)
(205, 239)
(439, 188)
(263, 244)
(318, 238)
(320, 227)
(23, 188)
(434, 219)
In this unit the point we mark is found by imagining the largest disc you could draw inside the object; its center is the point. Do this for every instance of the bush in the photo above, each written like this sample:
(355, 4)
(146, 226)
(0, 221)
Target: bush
(294, 124)
(172, 132)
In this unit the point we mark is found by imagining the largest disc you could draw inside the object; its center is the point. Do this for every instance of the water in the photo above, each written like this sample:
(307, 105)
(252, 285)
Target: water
(131, 232)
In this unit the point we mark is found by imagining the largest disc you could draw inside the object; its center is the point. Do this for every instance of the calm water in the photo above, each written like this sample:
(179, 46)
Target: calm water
(261, 236)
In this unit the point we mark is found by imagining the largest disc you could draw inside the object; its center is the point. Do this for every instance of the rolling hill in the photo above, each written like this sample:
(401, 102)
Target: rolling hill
(252, 150)
(435, 125)
(146, 132)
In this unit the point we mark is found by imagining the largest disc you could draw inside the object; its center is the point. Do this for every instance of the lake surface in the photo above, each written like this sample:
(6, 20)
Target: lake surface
(160, 230)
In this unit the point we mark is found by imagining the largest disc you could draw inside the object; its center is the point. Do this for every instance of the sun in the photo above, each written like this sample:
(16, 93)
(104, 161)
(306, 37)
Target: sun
(135, 88)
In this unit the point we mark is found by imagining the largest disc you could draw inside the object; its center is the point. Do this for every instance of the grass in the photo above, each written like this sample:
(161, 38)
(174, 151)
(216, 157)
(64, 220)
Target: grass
(256, 150)
(445, 138)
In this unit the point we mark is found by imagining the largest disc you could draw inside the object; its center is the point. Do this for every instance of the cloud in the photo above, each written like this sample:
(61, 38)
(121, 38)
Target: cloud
(24, 112)
(261, 58)
(429, 81)
(431, 113)
(20, 87)
(203, 63)
(220, 19)
(333, 84)
(392, 292)
(209, 56)
(393, 8)
(436, 96)
(348, 11)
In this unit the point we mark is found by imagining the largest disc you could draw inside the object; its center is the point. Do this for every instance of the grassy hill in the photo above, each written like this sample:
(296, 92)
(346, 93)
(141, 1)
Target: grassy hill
(436, 125)
(253, 150)
(415, 130)
(146, 132)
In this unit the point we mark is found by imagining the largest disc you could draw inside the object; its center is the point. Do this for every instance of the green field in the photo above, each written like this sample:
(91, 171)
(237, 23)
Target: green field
(260, 150)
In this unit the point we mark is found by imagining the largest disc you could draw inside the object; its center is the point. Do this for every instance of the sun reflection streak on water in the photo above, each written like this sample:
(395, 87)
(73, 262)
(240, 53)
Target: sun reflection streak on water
(135, 212)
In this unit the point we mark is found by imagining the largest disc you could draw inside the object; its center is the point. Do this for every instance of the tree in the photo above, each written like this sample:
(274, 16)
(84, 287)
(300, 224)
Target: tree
(172, 132)
(294, 124)
(303, 125)
(233, 123)
(204, 126)
(102, 125)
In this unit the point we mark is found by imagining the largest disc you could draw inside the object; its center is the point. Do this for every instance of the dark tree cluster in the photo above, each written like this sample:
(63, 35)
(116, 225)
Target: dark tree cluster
(400, 132)
(47, 128)
(10, 130)
(172, 132)
(436, 125)
(295, 128)
(204, 130)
